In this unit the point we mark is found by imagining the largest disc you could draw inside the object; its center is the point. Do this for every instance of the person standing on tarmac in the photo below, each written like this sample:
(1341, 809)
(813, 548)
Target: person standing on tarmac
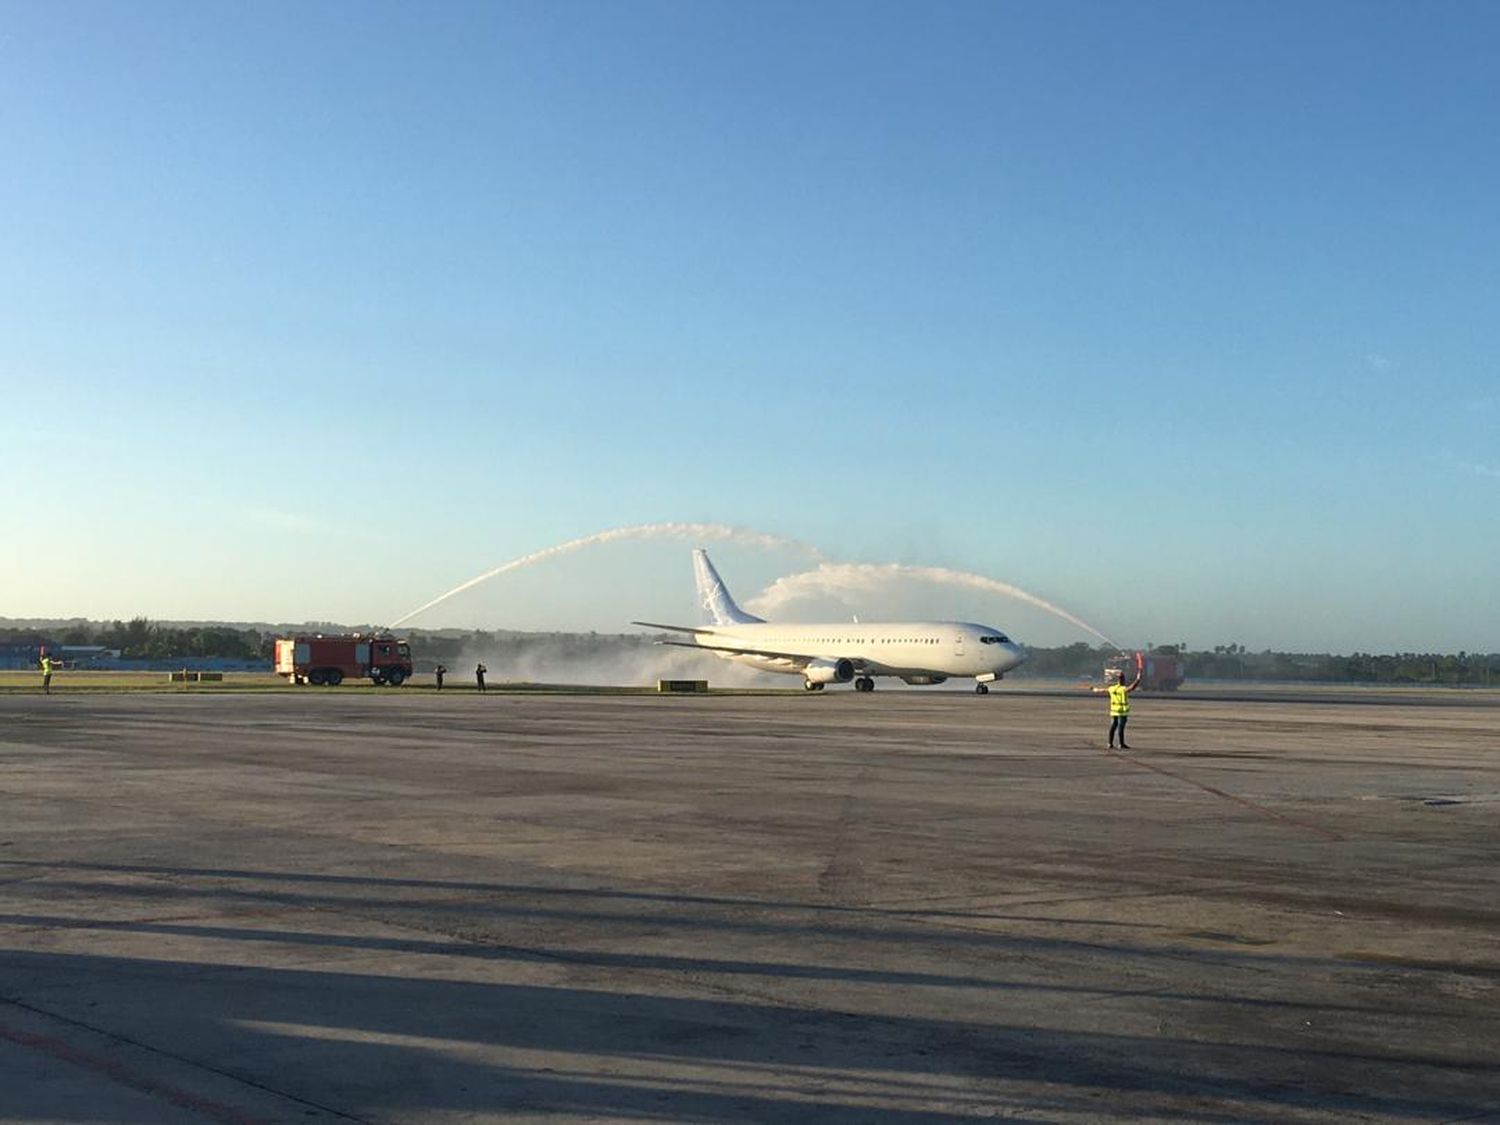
(440, 672)
(46, 666)
(1119, 702)
(479, 671)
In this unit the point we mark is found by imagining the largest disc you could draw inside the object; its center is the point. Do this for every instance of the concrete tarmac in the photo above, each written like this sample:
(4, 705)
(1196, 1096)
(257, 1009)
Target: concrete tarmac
(900, 907)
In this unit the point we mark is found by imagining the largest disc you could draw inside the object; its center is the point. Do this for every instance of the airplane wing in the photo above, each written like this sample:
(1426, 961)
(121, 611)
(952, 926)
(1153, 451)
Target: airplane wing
(673, 628)
(796, 659)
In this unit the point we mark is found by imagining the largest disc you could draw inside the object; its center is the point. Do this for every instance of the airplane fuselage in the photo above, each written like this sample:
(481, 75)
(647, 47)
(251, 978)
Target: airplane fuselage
(919, 652)
(909, 649)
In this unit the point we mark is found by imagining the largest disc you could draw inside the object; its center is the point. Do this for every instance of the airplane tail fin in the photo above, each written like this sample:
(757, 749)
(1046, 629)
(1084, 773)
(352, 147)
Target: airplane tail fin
(715, 604)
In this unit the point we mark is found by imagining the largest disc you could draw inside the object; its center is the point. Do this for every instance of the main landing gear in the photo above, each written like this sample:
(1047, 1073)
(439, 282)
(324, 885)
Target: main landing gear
(864, 683)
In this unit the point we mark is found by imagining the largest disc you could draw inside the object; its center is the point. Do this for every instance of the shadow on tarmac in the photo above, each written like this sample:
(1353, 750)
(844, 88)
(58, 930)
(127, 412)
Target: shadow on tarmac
(397, 1045)
(791, 919)
(370, 1043)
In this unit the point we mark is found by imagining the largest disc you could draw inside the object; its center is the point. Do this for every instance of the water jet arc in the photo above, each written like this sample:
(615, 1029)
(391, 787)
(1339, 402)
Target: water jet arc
(692, 531)
(841, 578)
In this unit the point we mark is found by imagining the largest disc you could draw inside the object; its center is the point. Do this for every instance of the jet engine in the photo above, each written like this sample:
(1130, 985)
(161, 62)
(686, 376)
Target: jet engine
(829, 671)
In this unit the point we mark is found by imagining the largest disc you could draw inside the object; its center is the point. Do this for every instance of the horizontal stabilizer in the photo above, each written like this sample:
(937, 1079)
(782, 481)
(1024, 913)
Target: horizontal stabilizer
(672, 628)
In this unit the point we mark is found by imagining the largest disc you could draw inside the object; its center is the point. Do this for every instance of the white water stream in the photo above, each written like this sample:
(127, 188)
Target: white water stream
(834, 579)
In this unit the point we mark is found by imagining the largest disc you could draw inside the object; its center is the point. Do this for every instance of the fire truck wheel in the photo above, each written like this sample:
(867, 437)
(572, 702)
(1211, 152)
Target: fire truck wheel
(395, 677)
(333, 677)
(315, 677)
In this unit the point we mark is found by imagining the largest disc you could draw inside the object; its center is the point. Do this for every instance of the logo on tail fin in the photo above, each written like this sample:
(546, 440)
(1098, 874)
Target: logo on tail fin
(715, 604)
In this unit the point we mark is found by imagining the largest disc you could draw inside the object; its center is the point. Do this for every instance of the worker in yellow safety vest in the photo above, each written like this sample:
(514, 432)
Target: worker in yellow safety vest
(1119, 702)
(46, 663)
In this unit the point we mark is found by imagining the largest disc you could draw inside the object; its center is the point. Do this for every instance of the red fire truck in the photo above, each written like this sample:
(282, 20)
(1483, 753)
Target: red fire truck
(1160, 671)
(320, 659)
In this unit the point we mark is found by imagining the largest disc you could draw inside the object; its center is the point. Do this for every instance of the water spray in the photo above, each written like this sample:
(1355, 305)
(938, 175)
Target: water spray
(829, 578)
(840, 578)
(698, 532)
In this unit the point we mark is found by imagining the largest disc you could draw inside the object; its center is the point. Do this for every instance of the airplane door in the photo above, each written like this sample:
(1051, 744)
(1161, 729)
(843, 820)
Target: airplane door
(958, 645)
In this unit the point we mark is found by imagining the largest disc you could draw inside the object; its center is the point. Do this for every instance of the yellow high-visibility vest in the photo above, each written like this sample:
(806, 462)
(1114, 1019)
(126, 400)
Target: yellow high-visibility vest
(1119, 700)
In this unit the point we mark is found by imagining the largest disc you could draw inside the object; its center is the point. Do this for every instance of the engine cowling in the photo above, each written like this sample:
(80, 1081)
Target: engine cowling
(828, 671)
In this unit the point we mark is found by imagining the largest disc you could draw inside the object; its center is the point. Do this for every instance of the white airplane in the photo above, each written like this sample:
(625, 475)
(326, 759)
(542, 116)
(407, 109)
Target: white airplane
(919, 652)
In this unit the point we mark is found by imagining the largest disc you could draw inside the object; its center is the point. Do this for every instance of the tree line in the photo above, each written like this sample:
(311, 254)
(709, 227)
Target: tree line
(141, 639)
(1236, 662)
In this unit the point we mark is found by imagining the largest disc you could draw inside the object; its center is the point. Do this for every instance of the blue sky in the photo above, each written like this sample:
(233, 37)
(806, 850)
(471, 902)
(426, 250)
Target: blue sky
(1184, 316)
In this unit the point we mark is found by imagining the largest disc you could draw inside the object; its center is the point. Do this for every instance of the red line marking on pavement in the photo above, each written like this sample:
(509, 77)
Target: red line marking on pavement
(118, 1072)
(1243, 802)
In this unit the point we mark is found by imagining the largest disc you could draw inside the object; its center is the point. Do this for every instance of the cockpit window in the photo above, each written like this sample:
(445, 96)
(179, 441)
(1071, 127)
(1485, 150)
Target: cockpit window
(997, 639)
